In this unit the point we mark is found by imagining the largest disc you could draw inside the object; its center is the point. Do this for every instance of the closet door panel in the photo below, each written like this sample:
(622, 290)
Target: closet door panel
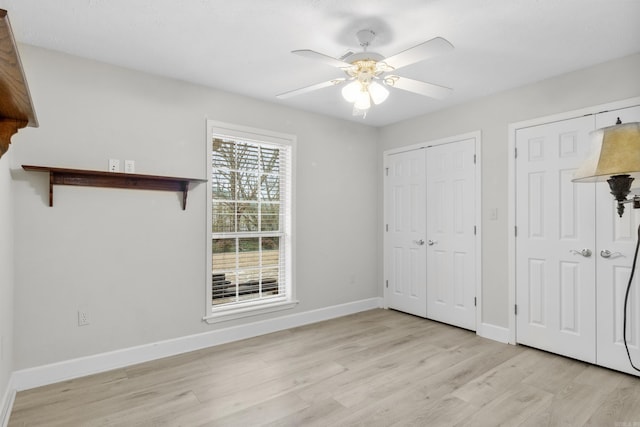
(405, 255)
(616, 239)
(451, 241)
(555, 270)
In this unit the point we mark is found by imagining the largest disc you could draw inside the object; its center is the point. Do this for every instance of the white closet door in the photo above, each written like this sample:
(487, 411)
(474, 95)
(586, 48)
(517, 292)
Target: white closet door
(405, 237)
(555, 269)
(616, 238)
(451, 258)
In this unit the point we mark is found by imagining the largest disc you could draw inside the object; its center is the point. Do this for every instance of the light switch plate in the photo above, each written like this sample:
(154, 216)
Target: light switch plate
(493, 214)
(130, 166)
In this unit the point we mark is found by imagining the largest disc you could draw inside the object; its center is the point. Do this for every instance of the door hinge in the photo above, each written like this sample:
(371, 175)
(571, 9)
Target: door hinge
(474, 159)
(516, 152)
(386, 171)
(475, 301)
(387, 283)
(515, 309)
(475, 230)
(515, 230)
(386, 227)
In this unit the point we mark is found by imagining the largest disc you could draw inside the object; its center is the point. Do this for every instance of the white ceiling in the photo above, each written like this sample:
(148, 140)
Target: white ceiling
(243, 46)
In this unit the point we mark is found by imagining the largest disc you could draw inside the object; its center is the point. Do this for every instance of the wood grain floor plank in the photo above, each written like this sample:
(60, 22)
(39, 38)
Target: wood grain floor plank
(512, 408)
(496, 381)
(621, 407)
(447, 411)
(316, 410)
(252, 395)
(267, 411)
(420, 389)
(556, 373)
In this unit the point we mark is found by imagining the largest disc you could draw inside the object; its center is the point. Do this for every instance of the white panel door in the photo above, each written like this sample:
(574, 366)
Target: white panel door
(451, 269)
(555, 219)
(616, 238)
(405, 235)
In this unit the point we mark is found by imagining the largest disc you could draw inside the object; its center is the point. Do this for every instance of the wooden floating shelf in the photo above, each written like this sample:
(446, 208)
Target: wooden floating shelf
(89, 178)
(16, 107)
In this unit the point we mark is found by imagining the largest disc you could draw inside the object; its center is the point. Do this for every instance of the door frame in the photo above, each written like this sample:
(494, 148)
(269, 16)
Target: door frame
(511, 197)
(477, 136)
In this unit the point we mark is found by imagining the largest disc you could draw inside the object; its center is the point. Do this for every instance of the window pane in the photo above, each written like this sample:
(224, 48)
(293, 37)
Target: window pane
(270, 251)
(249, 284)
(249, 253)
(223, 283)
(270, 159)
(224, 255)
(223, 217)
(246, 296)
(223, 185)
(247, 186)
(247, 156)
(270, 243)
(270, 188)
(247, 215)
(270, 218)
(270, 283)
(223, 288)
(223, 154)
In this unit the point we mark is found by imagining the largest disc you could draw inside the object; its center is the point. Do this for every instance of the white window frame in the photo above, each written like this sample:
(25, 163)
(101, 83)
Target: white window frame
(252, 307)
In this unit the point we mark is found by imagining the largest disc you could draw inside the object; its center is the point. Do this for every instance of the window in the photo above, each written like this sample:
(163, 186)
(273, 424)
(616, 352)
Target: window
(250, 218)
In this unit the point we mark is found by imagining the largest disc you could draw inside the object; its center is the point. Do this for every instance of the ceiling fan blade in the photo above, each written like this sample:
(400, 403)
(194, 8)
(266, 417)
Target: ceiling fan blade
(311, 88)
(426, 50)
(416, 86)
(307, 53)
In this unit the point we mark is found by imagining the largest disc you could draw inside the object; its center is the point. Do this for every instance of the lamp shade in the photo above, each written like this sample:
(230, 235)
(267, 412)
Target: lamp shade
(615, 151)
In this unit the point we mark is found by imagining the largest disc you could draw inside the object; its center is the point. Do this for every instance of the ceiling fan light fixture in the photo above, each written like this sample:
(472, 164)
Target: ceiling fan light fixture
(363, 100)
(367, 73)
(378, 93)
(350, 92)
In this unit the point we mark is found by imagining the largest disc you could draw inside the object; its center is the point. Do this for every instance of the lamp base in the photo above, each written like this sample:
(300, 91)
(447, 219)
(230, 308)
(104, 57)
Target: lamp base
(620, 186)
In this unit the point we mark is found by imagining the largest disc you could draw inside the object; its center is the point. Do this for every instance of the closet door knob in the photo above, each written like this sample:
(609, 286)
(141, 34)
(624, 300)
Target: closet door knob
(608, 254)
(432, 242)
(584, 252)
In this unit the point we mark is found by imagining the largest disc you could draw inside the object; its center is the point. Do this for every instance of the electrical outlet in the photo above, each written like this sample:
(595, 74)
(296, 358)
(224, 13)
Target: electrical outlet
(129, 166)
(83, 318)
(114, 165)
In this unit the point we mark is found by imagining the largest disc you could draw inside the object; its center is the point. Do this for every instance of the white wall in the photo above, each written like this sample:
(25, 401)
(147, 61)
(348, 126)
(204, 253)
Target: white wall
(133, 259)
(6, 276)
(612, 81)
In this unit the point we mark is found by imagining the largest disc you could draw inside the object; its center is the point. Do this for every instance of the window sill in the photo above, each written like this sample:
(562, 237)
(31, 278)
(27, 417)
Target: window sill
(248, 311)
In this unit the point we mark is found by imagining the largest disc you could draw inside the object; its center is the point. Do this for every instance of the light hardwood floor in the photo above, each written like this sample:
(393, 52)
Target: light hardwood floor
(376, 368)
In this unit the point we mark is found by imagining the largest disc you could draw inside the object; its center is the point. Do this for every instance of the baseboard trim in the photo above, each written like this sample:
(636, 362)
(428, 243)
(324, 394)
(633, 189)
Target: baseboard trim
(52, 373)
(7, 403)
(493, 332)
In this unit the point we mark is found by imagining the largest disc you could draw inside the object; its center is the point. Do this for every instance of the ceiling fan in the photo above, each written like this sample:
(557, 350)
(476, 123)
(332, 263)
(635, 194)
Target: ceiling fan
(369, 73)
